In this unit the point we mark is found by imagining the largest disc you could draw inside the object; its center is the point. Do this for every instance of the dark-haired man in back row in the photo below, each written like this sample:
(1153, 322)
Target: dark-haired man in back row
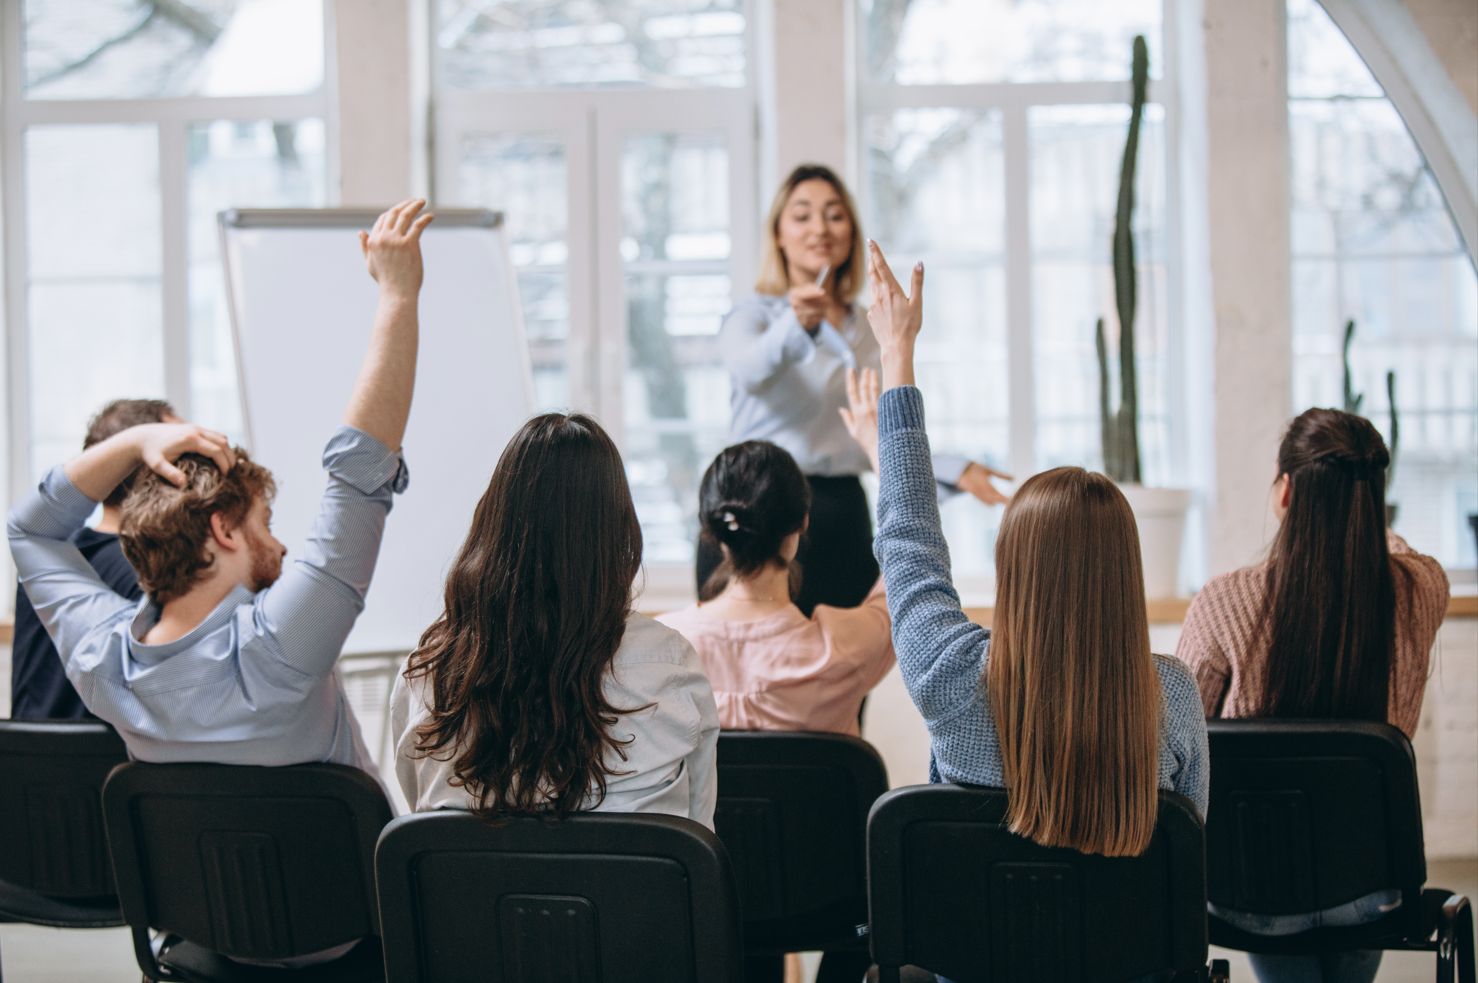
(38, 680)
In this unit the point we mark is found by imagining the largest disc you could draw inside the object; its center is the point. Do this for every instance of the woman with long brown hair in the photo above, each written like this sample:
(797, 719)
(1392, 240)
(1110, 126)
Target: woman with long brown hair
(1338, 623)
(539, 690)
(787, 348)
(1061, 703)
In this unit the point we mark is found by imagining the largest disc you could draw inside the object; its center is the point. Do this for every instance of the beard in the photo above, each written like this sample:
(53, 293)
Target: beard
(266, 564)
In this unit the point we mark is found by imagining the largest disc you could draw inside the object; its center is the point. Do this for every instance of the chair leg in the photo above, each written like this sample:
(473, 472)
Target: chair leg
(143, 951)
(1455, 941)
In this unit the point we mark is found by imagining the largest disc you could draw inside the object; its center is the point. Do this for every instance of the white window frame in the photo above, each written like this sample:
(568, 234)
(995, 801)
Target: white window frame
(593, 125)
(1014, 99)
(172, 118)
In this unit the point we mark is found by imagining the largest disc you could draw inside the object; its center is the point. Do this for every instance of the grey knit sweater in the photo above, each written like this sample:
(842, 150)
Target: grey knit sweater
(943, 655)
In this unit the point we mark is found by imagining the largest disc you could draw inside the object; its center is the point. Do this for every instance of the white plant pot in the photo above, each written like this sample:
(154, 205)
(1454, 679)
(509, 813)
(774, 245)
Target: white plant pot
(1160, 514)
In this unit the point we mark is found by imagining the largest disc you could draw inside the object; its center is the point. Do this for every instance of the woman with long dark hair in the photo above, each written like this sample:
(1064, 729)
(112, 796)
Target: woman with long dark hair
(787, 348)
(1338, 624)
(539, 690)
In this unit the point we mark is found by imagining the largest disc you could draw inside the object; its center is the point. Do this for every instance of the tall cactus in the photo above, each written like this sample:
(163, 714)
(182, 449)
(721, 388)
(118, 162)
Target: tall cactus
(1120, 429)
(1354, 399)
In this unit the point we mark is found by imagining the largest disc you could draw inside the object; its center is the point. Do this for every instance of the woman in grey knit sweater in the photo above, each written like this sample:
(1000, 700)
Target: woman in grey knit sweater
(946, 659)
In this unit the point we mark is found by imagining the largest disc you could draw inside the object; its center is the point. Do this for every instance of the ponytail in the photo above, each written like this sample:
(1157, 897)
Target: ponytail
(1331, 601)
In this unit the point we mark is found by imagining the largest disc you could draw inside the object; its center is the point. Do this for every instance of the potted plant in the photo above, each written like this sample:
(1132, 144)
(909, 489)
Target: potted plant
(1352, 405)
(1159, 512)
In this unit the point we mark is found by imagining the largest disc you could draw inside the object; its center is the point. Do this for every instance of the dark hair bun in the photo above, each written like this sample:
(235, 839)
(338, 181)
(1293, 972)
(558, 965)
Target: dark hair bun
(753, 495)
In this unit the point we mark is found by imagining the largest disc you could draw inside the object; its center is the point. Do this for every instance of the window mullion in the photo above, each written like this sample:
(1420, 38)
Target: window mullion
(174, 279)
(1021, 379)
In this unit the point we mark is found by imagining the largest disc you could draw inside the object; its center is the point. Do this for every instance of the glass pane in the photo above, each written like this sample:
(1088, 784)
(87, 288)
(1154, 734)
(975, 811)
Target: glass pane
(675, 248)
(1076, 154)
(93, 278)
(245, 164)
(533, 44)
(139, 49)
(523, 176)
(1373, 242)
(962, 41)
(935, 191)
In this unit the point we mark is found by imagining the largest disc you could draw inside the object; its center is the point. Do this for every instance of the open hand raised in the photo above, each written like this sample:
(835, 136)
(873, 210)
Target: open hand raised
(392, 249)
(896, 318)
(860, 415)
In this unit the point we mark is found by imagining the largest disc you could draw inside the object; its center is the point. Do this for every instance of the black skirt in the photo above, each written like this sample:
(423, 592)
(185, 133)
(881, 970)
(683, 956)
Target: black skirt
(837, 565)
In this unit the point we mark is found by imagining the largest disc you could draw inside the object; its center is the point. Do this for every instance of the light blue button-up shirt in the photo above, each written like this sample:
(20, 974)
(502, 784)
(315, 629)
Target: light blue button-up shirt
(787, 386)
(256, 682)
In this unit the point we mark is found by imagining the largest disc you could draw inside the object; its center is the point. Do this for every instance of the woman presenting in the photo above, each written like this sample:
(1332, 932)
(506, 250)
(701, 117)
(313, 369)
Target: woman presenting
(788, 347)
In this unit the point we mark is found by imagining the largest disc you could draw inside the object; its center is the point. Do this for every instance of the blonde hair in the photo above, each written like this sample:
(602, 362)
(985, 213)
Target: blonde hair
(774, 278)
(1071, 679)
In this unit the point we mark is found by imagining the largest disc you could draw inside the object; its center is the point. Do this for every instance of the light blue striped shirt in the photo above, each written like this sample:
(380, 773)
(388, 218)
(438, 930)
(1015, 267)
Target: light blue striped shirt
(256, 682)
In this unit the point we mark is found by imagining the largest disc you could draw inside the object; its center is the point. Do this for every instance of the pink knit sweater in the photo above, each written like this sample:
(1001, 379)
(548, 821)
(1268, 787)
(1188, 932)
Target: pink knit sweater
(1220, 640)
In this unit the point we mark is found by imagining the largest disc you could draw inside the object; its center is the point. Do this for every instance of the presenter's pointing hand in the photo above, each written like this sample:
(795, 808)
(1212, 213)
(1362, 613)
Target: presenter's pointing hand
(392, 249)
(811, 305)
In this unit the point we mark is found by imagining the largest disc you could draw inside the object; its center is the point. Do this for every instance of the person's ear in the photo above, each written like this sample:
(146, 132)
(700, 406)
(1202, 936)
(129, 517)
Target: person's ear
(222, 534)
(805, 523)
(1285, 492)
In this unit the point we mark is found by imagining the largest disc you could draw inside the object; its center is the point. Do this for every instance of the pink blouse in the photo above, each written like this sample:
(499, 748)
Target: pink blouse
(787, 672)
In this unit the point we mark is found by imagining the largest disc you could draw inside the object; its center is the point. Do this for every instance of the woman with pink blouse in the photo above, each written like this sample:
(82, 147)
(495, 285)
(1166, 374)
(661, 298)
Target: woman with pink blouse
(771, 667)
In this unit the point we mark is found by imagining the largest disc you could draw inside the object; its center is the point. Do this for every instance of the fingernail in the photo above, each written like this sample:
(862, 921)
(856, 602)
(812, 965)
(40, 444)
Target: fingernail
(920, 266)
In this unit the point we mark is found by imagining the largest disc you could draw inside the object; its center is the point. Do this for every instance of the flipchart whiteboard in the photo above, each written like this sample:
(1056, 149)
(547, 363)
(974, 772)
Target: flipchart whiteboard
(302, 305)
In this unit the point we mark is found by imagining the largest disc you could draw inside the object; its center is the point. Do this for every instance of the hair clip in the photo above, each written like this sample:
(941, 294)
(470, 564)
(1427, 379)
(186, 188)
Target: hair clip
(731, 522)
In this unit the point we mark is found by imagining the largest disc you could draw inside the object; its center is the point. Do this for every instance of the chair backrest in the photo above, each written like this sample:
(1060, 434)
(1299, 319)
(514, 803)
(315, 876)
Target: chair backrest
(792, 811)
(1310, 814)
(609, 897)
(51, 818)
(263, 863)
(955, 892)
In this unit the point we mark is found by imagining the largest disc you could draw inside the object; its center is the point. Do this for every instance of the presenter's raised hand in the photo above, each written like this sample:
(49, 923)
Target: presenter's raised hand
(860, 415)
(392, 249)
(896, 317)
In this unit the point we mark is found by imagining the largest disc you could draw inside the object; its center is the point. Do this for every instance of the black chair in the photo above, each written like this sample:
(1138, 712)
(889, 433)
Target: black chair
(54, 867)
(257, 863)
(792, 811)
(955, 892)
(1307, 815)
(609, 897)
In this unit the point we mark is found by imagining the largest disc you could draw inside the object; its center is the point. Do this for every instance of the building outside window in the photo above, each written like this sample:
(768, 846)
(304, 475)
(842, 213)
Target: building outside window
(1372, 242)
(128, 125)
(991, 138)
(626, 168)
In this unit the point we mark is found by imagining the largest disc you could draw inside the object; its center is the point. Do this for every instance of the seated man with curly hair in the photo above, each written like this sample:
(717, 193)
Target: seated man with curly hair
(228, 658)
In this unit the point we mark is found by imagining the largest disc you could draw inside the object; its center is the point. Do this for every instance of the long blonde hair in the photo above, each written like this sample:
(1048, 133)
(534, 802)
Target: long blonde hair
(774, 278)
(1071, 679)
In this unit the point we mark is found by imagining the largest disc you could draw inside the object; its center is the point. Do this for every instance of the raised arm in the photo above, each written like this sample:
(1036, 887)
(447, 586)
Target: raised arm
(312, 608)
(69, 597)
(941, 653)
(381, 401)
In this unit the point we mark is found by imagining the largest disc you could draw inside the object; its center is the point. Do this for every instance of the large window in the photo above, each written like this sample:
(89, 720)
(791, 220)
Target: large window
(992, 134)
(120, 145)
(1373, 243)
(626, 168)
